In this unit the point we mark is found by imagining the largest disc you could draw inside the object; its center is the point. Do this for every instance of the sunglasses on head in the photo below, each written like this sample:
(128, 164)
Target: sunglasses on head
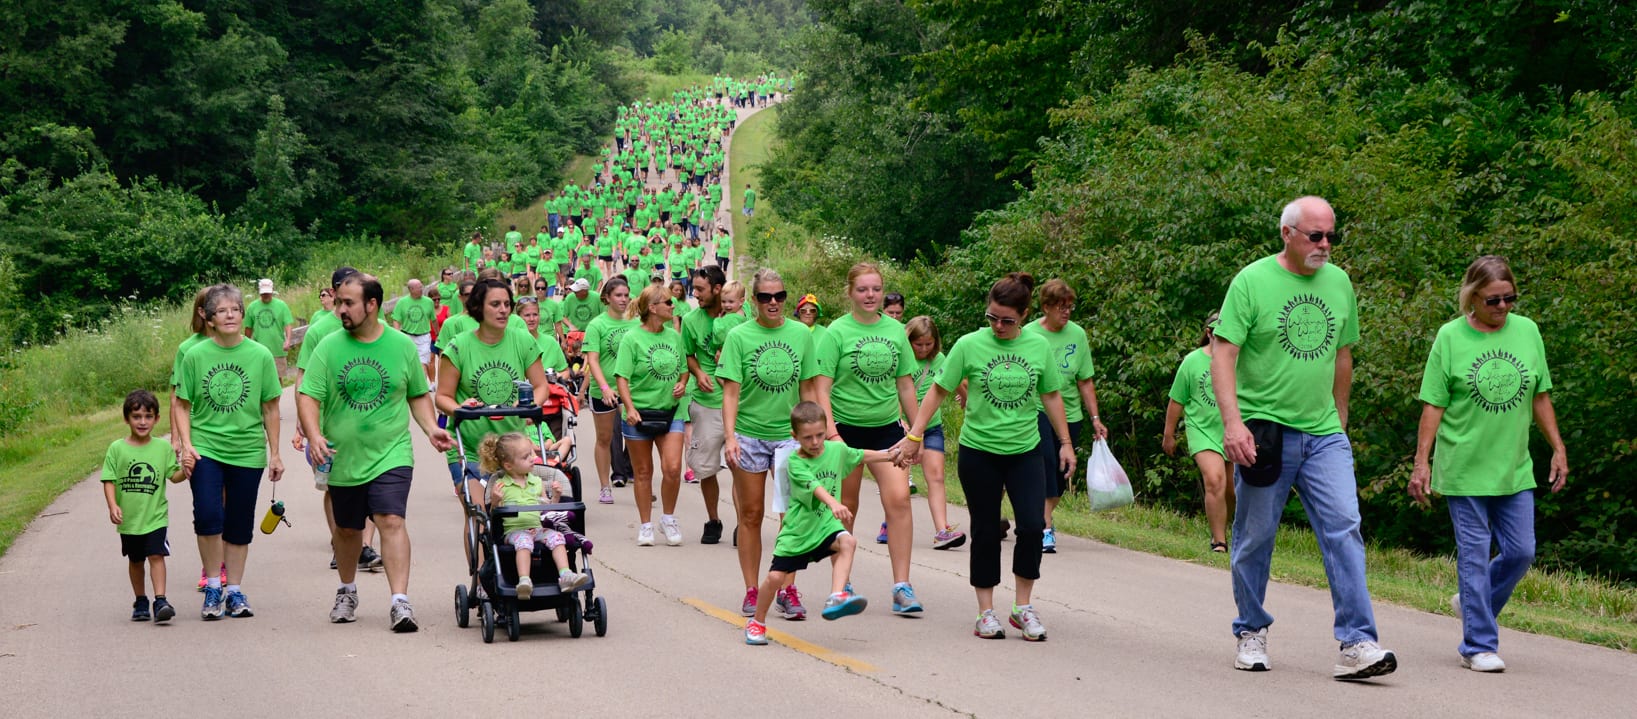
(1004, 321)
(1511, 299)
(766, 297)
(527, 300)
(1316, 237)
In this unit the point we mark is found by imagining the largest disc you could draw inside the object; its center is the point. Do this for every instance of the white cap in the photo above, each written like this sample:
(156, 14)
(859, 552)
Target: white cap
(580, 285)
(562, 230)
(265, 287)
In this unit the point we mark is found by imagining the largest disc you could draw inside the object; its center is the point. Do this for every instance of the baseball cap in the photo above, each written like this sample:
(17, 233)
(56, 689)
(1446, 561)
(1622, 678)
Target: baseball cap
(265, 287)
(580, 285)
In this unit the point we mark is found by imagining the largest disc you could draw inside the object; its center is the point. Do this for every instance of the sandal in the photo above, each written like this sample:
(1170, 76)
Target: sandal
(1219, 547)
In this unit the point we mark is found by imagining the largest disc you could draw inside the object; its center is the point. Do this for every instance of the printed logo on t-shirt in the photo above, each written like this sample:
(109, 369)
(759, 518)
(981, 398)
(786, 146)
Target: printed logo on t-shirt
(363, 384)
(416, 314)
(874, 359)
(773, 366)
(611, 345)
(664, 362)
(226, 386)
(583, 314)
(1203, 390)
(495, 384)
(1499, 381)
(265, 318)
(1008, 381)
(829, 480)
(1306, 327)
(140, 478)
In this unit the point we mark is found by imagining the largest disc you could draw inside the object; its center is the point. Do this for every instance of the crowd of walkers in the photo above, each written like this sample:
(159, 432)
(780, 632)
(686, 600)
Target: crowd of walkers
(796, 410)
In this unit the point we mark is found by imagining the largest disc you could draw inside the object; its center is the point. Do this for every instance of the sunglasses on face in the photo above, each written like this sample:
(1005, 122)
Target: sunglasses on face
(1316, 237)
(1002, 321)
(1510, 300)
(766, 297)
(667, 303)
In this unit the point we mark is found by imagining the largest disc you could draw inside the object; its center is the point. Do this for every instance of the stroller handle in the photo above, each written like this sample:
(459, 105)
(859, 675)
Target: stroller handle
(512, 510)
(464, 414)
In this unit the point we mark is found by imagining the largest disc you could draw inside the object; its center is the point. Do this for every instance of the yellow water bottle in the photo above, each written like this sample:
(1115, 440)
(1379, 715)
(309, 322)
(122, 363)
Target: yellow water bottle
(274, 515)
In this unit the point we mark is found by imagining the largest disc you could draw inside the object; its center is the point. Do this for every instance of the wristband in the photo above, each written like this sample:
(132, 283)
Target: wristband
(913, 438)
(1094, 418)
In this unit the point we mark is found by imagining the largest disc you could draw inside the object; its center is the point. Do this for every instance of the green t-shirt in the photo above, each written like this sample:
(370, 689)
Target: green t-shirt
(769, 364)
(139, 474)
(182, 351)
(551, 352)
(363, 391)
(591, 274)
(490, 373)
(603, 336)
(866, 361)
(513, 238)
(320, 328)
(750, 199)
(448, 296)
(807, 520)
(551, 312)
(580, 312)
(531, 491)
(635, 277)
(1486, 382)
(924, 375)
(652, 362)
(267, 321)
(473, 252)
(1289, 328)
(1006, 378)
(227, 386)
(1072, 357)
(1202, 419)
(724, 245)
(455, 326)
(414, 316)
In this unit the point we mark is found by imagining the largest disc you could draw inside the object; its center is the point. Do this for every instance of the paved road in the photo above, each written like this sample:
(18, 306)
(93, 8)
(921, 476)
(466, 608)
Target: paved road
(1131, 635)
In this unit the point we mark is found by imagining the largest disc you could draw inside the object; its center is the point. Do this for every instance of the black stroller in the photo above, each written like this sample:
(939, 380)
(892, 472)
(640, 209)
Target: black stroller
(491, 560)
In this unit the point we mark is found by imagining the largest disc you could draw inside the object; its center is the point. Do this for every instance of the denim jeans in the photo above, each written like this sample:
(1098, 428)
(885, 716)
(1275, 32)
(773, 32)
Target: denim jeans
(1321, 469)
(1487, 583)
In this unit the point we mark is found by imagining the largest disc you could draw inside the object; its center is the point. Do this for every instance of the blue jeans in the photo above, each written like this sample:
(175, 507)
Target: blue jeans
(1321, 468)
(1486, 584)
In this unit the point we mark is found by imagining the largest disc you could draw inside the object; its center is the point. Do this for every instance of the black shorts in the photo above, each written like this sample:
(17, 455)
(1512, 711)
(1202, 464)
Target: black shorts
(600, 407)
(141, 546)
(386, 494)
(1056, 481)
(880, 438)
(800, 562)
(606, 258)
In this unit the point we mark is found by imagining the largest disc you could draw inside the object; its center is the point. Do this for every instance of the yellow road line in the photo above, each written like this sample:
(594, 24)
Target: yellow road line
(800, 645)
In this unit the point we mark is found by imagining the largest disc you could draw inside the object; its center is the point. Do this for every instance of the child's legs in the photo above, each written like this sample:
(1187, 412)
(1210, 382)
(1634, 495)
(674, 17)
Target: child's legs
(850, 486)
(156, 570)
(770, 588)
(932, 467)
(522, 540)
(558, 545)
(138, 588)
(841, 563)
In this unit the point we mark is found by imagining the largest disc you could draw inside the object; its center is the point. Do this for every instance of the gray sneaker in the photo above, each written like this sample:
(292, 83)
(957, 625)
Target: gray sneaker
(1363, 661)
(1026, 619)
(403, 616)
(346, 607)
(989, 626)
(1253, 651)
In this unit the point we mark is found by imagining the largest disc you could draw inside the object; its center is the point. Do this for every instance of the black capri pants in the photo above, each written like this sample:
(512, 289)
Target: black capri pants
(984, 477)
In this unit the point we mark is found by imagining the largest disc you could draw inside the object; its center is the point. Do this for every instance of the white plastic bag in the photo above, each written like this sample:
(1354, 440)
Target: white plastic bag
(1106, 480)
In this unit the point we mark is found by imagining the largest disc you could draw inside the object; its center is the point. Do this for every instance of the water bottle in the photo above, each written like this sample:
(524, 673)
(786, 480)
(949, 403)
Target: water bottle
(525, 394)
(321, 472)
(275, 514)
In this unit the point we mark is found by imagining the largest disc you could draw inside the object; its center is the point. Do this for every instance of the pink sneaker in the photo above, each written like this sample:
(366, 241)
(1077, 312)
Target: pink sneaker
(749, 607)
(788, 604)
(689, 478)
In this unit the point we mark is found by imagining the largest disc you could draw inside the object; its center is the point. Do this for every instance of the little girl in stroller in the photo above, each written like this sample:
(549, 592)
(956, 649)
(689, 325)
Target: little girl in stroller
(511, 455)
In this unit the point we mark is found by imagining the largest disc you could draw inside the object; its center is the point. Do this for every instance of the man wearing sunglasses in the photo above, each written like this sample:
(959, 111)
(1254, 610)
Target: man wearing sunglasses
(1282, 373)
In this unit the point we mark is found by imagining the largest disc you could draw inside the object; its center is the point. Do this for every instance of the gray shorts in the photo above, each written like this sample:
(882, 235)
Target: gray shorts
(705, 452)
(756, 455)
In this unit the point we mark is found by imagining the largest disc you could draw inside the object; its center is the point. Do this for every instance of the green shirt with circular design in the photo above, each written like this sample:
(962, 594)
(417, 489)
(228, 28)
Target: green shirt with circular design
(652, 362)
(769, 363)
(603, 336)
(866, 361)
(1486, 382)
(226, 387)
(363, 391)
(490, 373)
(1005, 378)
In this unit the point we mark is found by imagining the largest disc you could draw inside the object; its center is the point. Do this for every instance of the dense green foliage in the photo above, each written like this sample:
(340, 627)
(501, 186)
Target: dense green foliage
(147, 147)
(1440, 131)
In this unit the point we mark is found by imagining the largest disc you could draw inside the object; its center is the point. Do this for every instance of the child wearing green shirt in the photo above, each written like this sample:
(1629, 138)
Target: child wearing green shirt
(512, 456)
(132, 482)
(815, 521)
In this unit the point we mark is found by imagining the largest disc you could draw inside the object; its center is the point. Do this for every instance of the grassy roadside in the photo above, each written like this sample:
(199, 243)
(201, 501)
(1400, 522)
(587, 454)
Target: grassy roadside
(752, 141)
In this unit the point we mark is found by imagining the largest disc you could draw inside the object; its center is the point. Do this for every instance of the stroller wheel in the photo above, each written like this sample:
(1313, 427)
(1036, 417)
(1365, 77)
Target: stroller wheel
(514, 626)
(562, 614)
(487, 612)
(576, 622)
(600, 625)
(463, 611)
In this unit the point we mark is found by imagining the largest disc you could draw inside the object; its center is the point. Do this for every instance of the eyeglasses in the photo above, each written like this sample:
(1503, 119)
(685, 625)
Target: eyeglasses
(1316, 237)
(766, 297)
(1003, 321)
(1510, 300)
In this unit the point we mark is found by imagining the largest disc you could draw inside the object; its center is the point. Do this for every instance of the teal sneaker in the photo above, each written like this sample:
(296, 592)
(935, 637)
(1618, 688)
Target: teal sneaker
(1048, 541)
(842, 605)
(903, 599)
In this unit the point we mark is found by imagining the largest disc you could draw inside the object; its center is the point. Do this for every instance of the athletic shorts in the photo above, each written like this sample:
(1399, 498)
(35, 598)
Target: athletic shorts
(606, 258)
(600, 407)
(756, 455)
(388, 493)
(933, 440)
(455, 473)
(879, 438)
(631, 434)
(139, 547)
(423, 347)
(800, 562)
(705, 452)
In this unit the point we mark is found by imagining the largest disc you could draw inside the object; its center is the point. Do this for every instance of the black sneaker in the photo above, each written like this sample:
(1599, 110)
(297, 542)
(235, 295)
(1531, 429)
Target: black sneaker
(1005, 526)
(617, 481)
(162, 610)
(332, 565)
(139, 610)
(713, 532)
(369, 559)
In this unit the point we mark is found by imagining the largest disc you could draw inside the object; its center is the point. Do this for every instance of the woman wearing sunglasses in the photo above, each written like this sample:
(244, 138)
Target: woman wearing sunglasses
(1486, 379)
(863, 385)
(766, 368)
(1007, 370)
(652, 376)
(602, 351)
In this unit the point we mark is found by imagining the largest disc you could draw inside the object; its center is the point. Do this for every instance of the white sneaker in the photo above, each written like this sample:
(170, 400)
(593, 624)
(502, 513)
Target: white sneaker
(645, 535)
(1484, 662)
(1363, 661)
(525, 587)
(1455, 603)
(572, 581)
(672, 530)
(1253, 651)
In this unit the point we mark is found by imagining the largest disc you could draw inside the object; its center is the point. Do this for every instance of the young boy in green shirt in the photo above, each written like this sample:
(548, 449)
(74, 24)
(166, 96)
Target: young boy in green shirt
(133, 474)
(813, 525)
